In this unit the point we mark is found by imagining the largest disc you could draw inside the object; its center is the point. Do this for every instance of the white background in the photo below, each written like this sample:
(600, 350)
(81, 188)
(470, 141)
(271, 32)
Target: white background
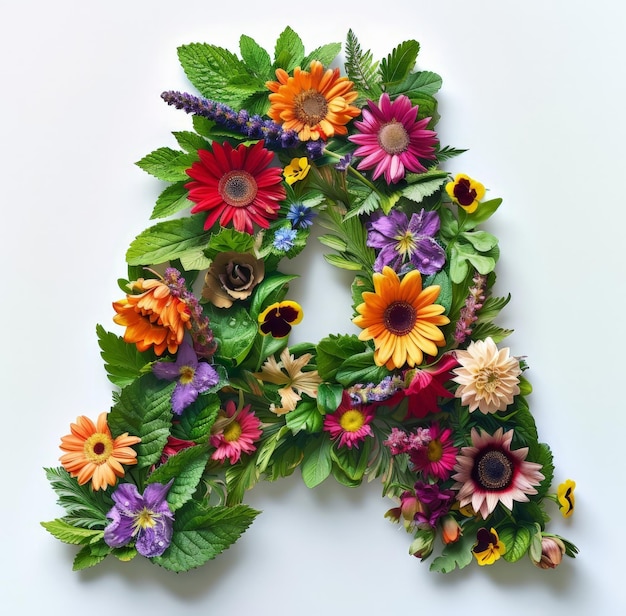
(534, 89)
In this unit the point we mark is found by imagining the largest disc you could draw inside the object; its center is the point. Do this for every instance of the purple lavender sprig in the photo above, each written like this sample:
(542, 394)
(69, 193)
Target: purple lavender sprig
(204, 343)
(253, 127)
(473, 304)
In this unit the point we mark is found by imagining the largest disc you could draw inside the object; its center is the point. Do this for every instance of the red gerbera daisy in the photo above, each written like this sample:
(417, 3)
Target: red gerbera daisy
(236, 185)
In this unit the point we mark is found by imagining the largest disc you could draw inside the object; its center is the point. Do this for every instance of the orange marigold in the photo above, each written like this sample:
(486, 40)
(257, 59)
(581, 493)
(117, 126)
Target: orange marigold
(93, 454)
(315, 104)
(154, 318)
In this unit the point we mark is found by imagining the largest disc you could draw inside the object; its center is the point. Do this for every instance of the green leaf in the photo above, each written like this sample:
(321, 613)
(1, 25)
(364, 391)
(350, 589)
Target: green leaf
(448, 152)
(167, 240)
(333, 350)
(258, 61)
(227, 240)
(399, 63)
(186, 469)
(194, 259)
(491, 308)
(190, 141)
(441, 279)
(171, 200)
(417, 192)
(334, 242)
(317, 464)
(201, 533)
(163, 165)
(306, 416)
(199, 417)
(361, 368)
(122, 361)
(240, 478)
(234, 330)
(144, 409)
(329, 397)
(353, 461)
(85, 508)
(343, 263)
(265, 290)
(388, 201)
(480, 240)
(423, 82)
(90, 556)
(361, 68)
(482, 213)
(67, 533)
(325, 54)
(288, 51)
(517, 540)
(481, 331)
(453, 555)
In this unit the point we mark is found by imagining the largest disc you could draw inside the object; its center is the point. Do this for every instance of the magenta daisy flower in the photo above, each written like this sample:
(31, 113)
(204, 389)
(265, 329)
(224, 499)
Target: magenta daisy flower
(489, 472)
(350, 424)
(236, 185)
(437, 457)
(236, 433)
(392, 140)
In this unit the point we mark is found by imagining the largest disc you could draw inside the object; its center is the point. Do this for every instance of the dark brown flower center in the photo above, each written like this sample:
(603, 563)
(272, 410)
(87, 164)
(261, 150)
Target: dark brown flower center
(310, 107)
(400, 318)
(393, 138)
(98, 449)
(493, 470)
(238, 188)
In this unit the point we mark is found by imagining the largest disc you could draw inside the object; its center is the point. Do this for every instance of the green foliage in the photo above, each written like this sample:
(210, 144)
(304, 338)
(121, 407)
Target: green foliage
(171, 200)
(395, 68)
(453, 555)
(306, 416)
(167, 164)
(516, 540)
(316, 465)
(235, 330)
(71, 534)
(333, 350)
(362, 69)
(201, 533)
(122, 361)
(196, 422)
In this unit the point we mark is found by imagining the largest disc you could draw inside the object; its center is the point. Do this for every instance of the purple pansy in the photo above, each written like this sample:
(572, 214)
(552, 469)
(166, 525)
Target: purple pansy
(146, 518)
(402, 241)
(193, 376)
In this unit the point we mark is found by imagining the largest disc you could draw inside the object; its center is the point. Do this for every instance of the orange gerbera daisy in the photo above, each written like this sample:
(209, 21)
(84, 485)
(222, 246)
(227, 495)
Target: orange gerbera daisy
(93, 454)
(401, 318)
(155, 318)
(315, 104)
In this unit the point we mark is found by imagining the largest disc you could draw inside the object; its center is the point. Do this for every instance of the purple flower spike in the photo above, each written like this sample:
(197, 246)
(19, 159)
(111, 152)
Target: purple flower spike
(193, 376)
(403, 242)
(147, 519)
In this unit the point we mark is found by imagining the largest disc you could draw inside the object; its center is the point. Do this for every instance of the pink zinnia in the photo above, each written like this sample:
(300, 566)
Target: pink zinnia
(237, 433)
(437, 457)
(489, 472)
(350, 424)
(392, 139)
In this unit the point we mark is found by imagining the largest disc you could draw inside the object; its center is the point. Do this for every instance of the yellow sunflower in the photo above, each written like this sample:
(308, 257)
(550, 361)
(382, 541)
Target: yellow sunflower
(401, 318)
(315, 104)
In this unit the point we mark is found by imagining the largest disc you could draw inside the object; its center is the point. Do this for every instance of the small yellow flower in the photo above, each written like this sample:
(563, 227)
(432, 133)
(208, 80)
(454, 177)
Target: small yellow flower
(565, 496)
(488, 547)
(466, 192)
(296, 170)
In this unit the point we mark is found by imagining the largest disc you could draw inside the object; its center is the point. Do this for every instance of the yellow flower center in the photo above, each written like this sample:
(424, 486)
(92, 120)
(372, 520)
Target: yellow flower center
(435, 450)
(400, 318)
(145, 518)
(393, 138)
(232, 431)
(238, 188)
(493, 470)
(98, 448)
(352, 420)
(406, 244)
(310, 107)
(186, 375)
(487, 381)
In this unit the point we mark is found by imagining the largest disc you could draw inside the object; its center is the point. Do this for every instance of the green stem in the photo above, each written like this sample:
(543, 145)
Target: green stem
(361, 178)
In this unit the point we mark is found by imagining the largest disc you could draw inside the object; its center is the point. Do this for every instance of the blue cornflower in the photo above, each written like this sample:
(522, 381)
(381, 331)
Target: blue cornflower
(284, 238)
(300, 215)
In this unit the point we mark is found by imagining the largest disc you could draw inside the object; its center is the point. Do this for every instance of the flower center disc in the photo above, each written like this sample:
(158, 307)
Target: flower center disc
(238, 188)
(352, 420)
(393, 138)
(232, 432)
(487, 380)
(434, 450)
(494, 470)
(400, 318)
(98, 448)
(310, 107)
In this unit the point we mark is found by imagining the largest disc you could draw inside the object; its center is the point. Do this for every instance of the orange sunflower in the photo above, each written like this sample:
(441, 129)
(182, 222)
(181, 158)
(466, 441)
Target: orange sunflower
(315, 104)
(155, 318)
(401, 318)
(93, 454)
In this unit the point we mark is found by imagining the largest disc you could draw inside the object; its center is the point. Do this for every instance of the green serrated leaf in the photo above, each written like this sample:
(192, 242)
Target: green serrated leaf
(194, 259)
(201, 533)
(417, 192)
(196, 422)
(190, 141)
(185, 469)
(257, 60)
(288, 51)
(423, 82)
(453, 555)
(163, 164)
(361, 68)
(167, 240)
(89, 557)
(333, 350)
(67, 533)
(171, 200)
(324, 54)
(144, 409)
(226, 240)
(122, 361)
(399, 63)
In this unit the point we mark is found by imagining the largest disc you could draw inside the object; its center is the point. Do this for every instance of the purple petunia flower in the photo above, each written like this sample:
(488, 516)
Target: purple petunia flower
(437, 502)
(147, 519)
(402, 241)
(193, 376)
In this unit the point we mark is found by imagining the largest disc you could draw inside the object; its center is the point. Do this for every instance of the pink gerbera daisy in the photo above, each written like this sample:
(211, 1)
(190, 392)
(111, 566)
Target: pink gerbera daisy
(350, 424)
(489, 473)
(392, 139)
(236, 185)
(236, 433)
(437, 457)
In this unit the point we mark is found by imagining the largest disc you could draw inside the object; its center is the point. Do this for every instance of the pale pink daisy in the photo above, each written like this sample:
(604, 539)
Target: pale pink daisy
(236, 433)
(489, 472)
(392, 140)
